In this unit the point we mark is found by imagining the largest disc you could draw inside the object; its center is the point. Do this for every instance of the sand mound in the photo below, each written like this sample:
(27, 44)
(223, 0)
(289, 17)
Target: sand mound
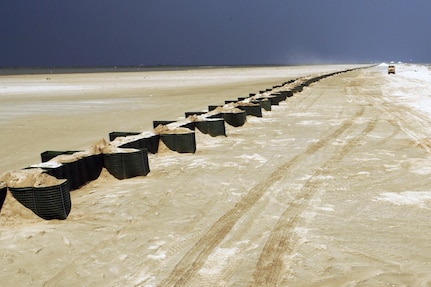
(118, 141)
(163, 149)
(98, 146)
(194, 118)
(162, 129)
(14, 213)
(66, 158)
(104, 177)
(229, 108)
(29, 178)
(234, 111)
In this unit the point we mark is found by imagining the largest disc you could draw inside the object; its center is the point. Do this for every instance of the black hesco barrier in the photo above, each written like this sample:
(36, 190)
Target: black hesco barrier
(181, 142)
(72, 174)
(52, 202)
(114, 135)
(3, 192)
(284, 95)
(289, 93)
(280, 97)
(150, 143)
(297, 89)
(93, 166)
(273, 99)
(213, 127)
(235, 119)
(252, 110)
(75, 171)
(82, 170)
(124, 165)
(190, 126)
(263, 102)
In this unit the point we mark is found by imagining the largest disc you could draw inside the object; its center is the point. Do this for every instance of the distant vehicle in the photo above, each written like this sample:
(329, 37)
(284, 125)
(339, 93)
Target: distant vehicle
(391, 69)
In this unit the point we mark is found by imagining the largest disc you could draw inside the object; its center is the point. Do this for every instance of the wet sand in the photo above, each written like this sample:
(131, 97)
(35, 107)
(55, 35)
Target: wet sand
(330, 188)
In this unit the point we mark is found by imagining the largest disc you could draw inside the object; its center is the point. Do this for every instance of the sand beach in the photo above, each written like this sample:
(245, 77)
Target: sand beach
(329, 188)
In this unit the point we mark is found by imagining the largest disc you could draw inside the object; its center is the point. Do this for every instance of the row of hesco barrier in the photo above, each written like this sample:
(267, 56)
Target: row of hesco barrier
(72, 169)
(126, 155)
(50, 202)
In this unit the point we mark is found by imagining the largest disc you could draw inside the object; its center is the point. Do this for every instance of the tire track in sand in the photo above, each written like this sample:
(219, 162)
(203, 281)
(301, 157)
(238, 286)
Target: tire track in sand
(281, 239)
(195, 258)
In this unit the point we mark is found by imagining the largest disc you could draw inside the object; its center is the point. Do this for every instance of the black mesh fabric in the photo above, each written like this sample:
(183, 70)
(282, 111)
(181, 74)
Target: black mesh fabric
(52, 202)
(124, 165)
(235, 119)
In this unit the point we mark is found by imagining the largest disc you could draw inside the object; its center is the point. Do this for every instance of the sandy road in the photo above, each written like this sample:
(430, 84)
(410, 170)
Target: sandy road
(269, 267)
(303, 196)
(270, 262)
(352, 132)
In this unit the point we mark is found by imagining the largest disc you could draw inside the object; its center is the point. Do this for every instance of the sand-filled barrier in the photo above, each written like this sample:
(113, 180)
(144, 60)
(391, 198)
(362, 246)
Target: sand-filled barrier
(263, 102)
(73, 169)
(125, 163)
(251, 109)
(71, 165)
(44, 188)
(213, 126)
(235, 117)
(179, 139)
(145, 140)
(45, 195)
(120, 162)
(230, 113)
(81, 167)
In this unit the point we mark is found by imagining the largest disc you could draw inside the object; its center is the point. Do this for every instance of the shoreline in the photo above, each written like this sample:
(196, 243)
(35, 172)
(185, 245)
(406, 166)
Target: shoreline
(16, 71)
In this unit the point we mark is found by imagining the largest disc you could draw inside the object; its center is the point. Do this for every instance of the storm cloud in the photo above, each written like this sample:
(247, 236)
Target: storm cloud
(224, 32)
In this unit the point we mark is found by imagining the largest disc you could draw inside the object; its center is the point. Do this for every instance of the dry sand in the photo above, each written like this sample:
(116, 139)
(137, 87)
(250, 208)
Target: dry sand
(330, 188)
(64, 112)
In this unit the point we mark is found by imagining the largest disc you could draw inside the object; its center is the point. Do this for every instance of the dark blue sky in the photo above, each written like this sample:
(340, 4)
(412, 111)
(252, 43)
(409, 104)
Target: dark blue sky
(212, 32)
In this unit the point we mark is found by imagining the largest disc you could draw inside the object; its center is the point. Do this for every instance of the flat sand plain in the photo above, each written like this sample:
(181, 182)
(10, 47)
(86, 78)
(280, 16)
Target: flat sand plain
(330, 188)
